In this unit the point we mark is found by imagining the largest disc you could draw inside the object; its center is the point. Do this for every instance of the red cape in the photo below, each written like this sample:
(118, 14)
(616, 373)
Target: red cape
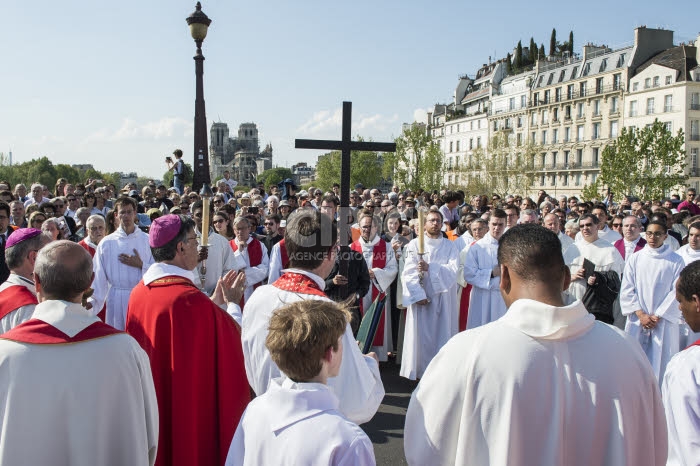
(198, 369)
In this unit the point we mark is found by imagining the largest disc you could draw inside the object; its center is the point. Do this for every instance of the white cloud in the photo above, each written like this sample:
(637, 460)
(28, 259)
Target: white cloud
(420, 115)
(329, 123)
(130, 130)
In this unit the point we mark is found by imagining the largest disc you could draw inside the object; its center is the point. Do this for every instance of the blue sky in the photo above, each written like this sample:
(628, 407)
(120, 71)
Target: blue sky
(112, 83)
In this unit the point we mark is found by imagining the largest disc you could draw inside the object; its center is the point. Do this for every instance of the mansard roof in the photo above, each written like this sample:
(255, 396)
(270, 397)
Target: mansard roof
(681, 58)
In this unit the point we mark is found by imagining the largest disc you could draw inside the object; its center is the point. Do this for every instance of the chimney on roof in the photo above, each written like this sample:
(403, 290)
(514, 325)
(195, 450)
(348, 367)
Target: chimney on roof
(697, 49)
(430, 118)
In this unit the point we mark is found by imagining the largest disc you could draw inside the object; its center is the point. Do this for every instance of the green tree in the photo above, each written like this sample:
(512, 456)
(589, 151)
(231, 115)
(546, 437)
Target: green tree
(509, 68)
(553, 43)
(591, 192)
(518, 62)
(365, 168)
(168, 177)
(646, 162)
(571, 42)
(418, 161)
(502, 169)
(274, 176)
(532, 51)
(541, 55)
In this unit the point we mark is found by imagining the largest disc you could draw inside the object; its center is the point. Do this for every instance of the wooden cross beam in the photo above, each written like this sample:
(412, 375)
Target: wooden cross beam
(345, 146)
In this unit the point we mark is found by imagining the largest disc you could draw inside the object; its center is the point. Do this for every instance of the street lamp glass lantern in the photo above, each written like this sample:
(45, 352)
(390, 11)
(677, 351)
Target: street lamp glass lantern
(199, 23)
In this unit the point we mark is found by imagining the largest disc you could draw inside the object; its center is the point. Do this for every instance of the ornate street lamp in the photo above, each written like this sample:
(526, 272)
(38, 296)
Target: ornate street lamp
(199, 24)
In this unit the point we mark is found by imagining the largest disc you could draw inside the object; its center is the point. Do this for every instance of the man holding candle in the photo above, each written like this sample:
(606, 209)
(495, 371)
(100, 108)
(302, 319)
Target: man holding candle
(214, 249)
(429, 282)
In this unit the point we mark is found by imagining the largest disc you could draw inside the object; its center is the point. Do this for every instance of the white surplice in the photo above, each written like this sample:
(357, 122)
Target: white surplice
(276, 267)
(604, 256)
(358, 385)
(80, 404)
(275, 429)
(543, 385)
(463, 240)
(428, 326)
(681, 396)
(384, 277)
(565, 241)
(688, 254)
(607, 234)
(648, 283)
(22, 313)
(486, 303)
(253, 275)
(220, 261)
(113, 280)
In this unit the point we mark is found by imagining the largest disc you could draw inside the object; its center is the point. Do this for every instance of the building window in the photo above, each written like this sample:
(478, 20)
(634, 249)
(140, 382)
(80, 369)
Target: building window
(579, 133)
(669, 78)
(579, 110)
(471, 125)
(523, 101)
(550, 79)
(566, 179)
(620, 61)
(694, 158)
(567, 112)
(555, 114)
(544, 137)
(647, 83)
(596, 130)
(635, 86)
(579, 156)
(586, 69)
(567, 134)
(478, 142)
(614, 104)
(617, 81)
(633, 108)
(471, 143)
(541, 180)
(570, 91)
(561, 75)
(545, 117)
(582, 89)
(554, 159)
(656, 81)
(533, 118)
(603, 65)
(520, 122)
(613, 129)
(546, 97)
(555, 136)
(511, 103)
(578, 179)
(450, 146)
(519, 139)
(596, 156)
(668, 103)
(533, 137)
(599, 84)
(573, 72)
(596, 107)
(695, 101)
(695, 130)
(650, 106)
(457, 146)
(668, 126)
(557, 94)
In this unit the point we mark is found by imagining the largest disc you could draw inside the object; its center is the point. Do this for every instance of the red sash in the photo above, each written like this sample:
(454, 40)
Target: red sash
(464, 303)
(38, 332)
(298, 283)
(254, 256)
(378, 262)
(87, 247)
(283, 253)
(697, 343)
(13, 297)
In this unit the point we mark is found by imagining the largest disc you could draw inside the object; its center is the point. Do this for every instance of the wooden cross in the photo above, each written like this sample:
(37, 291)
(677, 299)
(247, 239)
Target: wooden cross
(345, 146)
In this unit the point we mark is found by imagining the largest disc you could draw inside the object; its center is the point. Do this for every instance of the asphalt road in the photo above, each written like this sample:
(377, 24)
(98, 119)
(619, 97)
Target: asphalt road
(386, 427)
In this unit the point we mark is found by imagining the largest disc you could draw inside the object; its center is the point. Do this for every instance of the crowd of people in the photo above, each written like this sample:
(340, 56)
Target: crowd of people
(542, 331)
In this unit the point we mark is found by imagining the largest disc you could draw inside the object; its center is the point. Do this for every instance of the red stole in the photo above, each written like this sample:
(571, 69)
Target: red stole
(198, 371)
(283, 253)
(378, 262)
(464, 304)
(38, 332)
(254, 256)
(14, 297)
(697, 343)
(298, 283)
(620, 245)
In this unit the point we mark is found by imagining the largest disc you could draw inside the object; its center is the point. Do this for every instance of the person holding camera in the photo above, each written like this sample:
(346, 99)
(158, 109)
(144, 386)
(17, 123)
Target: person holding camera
(178, 169)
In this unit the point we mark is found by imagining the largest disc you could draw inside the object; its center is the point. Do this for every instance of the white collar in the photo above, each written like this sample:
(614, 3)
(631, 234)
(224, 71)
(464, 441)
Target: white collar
(660, 252)
(633, 241)
(89, 243)
(297, 401)
(161, 269)
(367, 245)
(546, 322)
(69, 318)
(16, 279)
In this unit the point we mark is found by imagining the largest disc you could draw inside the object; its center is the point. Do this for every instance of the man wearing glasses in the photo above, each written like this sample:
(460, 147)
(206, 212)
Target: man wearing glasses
(689, 203)
(648, 299)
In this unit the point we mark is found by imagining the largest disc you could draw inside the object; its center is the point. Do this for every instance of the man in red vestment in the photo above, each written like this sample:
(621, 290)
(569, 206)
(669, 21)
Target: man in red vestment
(96, 229)
(251, 251)
(17, 294)
(194, 347)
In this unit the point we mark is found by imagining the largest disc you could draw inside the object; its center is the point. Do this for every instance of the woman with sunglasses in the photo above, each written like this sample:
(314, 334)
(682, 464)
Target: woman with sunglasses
(36, 219)
(222, 225)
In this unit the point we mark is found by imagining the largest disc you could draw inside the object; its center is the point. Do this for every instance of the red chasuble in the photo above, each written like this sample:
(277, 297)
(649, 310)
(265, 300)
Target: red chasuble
(38, 332)
(14, 297)
(197, 364)
(254, 256)
(102, 315)
(378, 262)
(283, 253)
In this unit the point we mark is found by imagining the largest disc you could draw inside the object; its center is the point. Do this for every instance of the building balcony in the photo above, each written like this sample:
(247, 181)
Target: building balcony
(590, 165)
(694, 137)
(695, 106)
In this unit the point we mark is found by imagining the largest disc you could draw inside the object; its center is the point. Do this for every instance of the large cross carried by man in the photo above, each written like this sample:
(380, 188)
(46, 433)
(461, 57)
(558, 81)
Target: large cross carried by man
(345, 146)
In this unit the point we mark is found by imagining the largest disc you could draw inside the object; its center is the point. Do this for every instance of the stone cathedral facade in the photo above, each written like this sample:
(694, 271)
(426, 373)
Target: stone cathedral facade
(240, 155)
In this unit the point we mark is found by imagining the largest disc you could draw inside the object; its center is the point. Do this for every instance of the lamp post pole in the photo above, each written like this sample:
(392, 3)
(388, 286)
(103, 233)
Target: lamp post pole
(199, 23)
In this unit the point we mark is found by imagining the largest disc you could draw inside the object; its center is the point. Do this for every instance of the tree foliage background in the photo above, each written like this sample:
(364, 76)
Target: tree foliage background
(168, 176)
(274, 176)
(502, 169)
(365, 168)
(418, 161)
(43, 171)
(645, 162)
